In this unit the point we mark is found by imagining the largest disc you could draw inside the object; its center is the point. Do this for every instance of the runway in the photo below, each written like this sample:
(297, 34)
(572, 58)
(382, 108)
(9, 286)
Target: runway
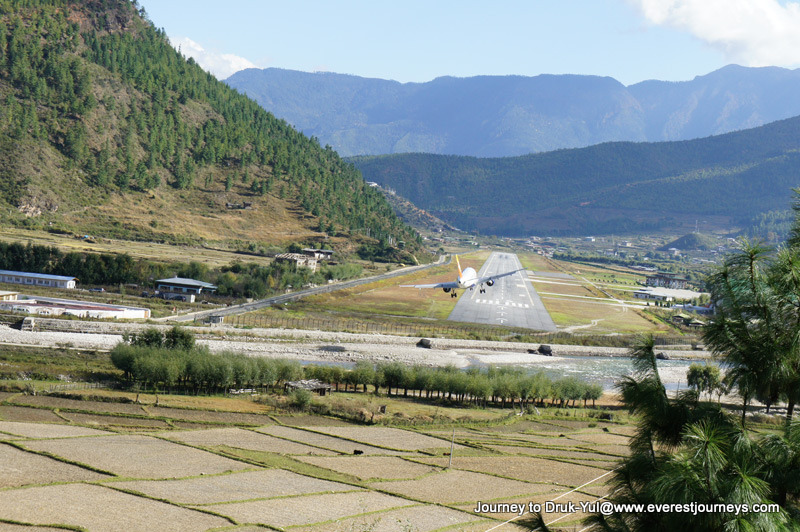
(512, 301)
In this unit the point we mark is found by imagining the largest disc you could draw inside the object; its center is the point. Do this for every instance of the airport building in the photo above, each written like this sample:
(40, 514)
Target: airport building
(37, 279)
(47, 306)
(183, 285)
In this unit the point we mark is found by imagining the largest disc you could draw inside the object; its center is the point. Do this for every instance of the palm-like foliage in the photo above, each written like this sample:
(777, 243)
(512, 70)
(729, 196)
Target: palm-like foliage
(687, 451)
(743, 331)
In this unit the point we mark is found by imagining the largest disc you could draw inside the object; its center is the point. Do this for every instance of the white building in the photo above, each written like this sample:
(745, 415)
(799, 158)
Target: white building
(37, 279)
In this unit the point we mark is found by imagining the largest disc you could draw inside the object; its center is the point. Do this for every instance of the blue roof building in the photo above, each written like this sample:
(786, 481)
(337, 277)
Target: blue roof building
(37, 279)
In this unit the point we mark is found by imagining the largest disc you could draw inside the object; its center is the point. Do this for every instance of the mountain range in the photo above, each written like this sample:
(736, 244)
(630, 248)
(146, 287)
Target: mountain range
(616, 187)
(496, 116)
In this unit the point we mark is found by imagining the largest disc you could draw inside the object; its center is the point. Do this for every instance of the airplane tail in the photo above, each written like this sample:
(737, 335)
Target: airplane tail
(459, 267)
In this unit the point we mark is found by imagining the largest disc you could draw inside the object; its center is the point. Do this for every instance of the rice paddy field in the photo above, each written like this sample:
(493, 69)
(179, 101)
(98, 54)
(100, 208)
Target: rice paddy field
(98, 465)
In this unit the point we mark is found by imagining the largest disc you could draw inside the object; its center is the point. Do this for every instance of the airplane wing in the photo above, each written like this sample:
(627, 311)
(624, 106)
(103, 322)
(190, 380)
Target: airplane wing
(498, 276)
(451, 284)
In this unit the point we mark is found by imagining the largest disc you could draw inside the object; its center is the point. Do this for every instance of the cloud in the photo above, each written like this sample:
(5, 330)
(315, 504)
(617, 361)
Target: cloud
(220, 65)
(748, 32)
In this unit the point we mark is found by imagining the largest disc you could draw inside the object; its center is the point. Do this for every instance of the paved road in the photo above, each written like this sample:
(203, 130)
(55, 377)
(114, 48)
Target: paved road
(512, 301)
(293, 296)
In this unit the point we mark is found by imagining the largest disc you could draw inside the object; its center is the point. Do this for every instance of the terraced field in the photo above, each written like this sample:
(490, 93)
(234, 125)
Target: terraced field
(113, 466)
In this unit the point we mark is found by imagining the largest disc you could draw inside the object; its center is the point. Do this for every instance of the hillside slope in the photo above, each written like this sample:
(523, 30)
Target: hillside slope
(495, 116)
(106, 129)
(608, 188)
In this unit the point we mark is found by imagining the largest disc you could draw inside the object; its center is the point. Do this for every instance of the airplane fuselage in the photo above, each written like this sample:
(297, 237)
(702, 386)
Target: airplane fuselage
(468, 278)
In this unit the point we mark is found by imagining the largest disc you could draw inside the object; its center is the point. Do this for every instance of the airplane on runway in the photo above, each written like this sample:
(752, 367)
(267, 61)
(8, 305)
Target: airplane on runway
(467, 278)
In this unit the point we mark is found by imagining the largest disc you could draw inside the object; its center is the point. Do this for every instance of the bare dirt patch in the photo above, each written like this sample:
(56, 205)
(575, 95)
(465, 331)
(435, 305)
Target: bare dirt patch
(235, 487)
(528, 426)
(8, 527)
(97, 508)
(392, 438)
(312, 421)
(523, 468)
(454, 486)
(244, 439)
(371, 467)
(99, 420)
(18, 468)
(23, 413)
(323, 441)
(46, 430)
(75, 404)
(602, 438)
(231, 418)
(138, 456)
(417, 518)
(310, 509)
(559, 453)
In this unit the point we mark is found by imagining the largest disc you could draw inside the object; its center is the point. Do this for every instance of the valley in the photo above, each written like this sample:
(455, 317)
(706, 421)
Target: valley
(467, 304)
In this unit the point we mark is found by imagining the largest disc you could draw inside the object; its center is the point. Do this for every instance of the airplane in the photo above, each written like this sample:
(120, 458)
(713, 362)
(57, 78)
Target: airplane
(467, 278)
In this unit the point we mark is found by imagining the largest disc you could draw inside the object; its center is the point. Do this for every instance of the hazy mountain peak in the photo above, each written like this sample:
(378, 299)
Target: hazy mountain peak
(490, 116)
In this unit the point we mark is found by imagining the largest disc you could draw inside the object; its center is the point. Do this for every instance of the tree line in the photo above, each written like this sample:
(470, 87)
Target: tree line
(153, 136)
(235, 280)
(171, 361)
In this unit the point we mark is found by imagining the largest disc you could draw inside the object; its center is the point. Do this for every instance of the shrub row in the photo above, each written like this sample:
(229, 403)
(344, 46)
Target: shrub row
(197, 370)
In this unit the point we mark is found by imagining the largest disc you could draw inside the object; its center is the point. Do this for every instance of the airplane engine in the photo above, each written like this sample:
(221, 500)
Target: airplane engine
(446, 289)
(490, 282)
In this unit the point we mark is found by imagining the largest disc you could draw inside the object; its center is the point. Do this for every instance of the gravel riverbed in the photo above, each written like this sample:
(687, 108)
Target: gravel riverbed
(337, 347)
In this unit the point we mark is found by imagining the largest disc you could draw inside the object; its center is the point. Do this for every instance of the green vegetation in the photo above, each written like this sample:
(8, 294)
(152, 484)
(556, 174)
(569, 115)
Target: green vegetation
(686, 451)
(171, 361)
(106, 106)
(235, 280)
(608, 188)
(692, 241)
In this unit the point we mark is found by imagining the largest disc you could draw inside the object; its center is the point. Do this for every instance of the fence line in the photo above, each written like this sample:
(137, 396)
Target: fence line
(443, 330)
(77, 386)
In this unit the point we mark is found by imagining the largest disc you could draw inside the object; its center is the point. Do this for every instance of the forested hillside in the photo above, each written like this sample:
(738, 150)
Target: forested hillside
(106, 129)
(608, 188)
(497, 116)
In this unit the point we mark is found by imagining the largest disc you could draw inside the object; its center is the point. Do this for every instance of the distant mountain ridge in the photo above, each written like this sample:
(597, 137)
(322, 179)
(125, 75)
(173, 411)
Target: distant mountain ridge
(496, 116)
(614, 187)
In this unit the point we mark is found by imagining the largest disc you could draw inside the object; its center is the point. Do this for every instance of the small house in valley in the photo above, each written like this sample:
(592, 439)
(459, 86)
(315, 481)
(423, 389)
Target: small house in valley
(185, 286)
(298, 259)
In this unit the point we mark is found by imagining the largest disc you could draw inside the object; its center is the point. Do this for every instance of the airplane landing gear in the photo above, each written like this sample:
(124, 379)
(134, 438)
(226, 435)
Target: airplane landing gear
(453, 294)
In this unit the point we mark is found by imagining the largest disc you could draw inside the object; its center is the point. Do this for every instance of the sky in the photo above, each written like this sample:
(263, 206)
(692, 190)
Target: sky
(419, 40)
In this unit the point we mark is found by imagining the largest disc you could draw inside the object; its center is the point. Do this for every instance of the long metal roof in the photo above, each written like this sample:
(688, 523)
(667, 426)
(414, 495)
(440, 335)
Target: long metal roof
(39, 275)
(186, 282)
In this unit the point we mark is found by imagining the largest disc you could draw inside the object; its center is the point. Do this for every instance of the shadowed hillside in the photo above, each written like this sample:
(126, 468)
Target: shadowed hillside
(608, 188)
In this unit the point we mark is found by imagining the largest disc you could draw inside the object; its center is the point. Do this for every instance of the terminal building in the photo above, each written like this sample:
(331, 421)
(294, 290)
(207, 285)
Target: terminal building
(50, 307)
(185, 286)
(37, 279)
(667, 280)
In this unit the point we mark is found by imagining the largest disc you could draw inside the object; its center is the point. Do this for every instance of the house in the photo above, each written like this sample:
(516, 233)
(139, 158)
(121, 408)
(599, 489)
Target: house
(667, 280)
(680, 318)
(319, 254)
(183, 285)
(37, 279)
(298, 260)
(653, 295)
(8, 296)
(312, 385)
